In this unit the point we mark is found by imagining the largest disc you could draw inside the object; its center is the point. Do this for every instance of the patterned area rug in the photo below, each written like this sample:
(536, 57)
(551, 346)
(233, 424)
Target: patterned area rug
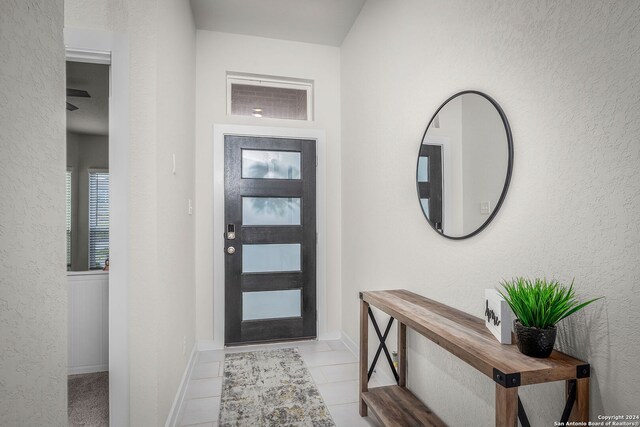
(270, 388)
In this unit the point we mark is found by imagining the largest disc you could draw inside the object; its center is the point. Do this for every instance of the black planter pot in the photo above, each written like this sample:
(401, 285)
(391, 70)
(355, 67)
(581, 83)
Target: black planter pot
(535, 342)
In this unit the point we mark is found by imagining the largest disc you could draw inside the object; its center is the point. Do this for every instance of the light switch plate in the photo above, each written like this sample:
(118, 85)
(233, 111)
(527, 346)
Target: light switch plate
(485, 207)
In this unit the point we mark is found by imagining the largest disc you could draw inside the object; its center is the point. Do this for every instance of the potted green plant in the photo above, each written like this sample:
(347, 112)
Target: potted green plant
(538, 305)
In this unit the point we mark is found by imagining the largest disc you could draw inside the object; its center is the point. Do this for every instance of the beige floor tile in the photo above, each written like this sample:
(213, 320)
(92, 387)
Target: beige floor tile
(207, 387)
(324, 358)
(206, 370)
(339, 393)
(342, 372)
(201, 411)
(347, 416)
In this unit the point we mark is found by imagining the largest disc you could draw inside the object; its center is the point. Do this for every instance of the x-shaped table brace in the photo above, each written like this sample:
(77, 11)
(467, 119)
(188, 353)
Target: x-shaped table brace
(382, 346)
(571, 398)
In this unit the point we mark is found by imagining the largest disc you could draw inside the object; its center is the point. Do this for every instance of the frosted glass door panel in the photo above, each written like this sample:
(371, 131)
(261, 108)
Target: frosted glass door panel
(271, 304)
(270, 211)
(423, 169)
(425, 206)
(270, 164)
(271, 257)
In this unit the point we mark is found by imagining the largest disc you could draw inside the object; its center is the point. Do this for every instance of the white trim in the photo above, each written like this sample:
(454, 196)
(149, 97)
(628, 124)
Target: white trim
(87, 273)
(219, 131)
(329, 335)
(97, 46)
(89, 56)
(207, 345)
(350, 344)
(88, 369)
(175, 414)
(271, 81)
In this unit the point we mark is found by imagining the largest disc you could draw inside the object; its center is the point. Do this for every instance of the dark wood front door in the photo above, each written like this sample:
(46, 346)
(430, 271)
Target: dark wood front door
(270, 239)
(430, 185)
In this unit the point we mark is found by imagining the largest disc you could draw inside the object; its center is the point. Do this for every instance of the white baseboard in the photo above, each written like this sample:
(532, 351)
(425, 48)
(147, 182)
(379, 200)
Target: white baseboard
(351, 345)
(90, 369)
(207, 345)
(178, 402)
(329, 336)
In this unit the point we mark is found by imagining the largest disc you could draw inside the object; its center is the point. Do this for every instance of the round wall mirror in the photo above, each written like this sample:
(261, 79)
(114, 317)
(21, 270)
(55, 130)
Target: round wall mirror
(464, 165)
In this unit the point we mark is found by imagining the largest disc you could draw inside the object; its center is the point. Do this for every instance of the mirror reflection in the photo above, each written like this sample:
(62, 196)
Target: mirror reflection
(464, 165)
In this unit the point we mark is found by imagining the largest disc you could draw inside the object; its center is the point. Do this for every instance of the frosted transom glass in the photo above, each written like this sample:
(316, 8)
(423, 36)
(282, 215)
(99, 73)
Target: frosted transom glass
(270, 211)
(423, 169)
(271, 304)
(271, 257)
(270, 164)
(269, 101)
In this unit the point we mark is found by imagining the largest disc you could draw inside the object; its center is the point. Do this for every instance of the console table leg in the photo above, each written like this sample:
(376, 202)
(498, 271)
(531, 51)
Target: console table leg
(402, 354)
(506, 406)
(580, 410)
(364, 355)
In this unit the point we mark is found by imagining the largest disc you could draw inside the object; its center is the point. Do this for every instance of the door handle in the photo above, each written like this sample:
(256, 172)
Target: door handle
(231, 250)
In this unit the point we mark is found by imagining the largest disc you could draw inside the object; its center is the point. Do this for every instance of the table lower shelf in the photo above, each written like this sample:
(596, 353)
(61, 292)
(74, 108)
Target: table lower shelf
(396, 406)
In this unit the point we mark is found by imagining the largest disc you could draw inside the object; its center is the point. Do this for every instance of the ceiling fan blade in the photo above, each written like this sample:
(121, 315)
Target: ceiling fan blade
(78, 92)
(71, 107)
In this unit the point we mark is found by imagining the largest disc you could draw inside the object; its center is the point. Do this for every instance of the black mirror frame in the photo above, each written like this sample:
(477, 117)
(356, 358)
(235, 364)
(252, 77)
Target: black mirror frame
(507, 181)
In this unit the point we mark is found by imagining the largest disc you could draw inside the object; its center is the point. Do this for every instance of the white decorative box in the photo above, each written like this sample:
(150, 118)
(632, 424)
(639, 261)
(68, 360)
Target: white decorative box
(498, 316)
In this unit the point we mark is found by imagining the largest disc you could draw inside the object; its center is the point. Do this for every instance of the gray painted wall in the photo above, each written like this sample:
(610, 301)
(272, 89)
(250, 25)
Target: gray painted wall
(33, 288)
(566, 74)
(84, 152)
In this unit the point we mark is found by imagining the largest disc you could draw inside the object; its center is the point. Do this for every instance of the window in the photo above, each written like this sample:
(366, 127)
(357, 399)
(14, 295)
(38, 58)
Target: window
(273, 97)
(98, 219)
(68, 220)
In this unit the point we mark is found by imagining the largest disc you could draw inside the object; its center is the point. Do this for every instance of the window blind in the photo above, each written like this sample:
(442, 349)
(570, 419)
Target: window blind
(98, 219)
(68, 220)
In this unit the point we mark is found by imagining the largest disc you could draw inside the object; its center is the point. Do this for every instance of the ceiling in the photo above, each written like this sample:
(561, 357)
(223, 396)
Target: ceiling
(92, 115)
(312, 21)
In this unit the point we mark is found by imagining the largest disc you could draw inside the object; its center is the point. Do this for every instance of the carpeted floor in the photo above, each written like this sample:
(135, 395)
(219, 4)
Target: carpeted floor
(270, 388)
(89, 400)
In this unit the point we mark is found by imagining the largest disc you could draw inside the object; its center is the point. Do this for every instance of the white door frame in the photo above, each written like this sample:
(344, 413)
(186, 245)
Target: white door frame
(108, 48)
(219, 131)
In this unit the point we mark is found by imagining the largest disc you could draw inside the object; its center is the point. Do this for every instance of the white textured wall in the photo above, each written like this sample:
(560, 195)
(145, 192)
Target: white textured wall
(33, 291)
(176, 229)
(566, 74)
(92, 14)
(161, 41)
(485, 156)
(218, 53)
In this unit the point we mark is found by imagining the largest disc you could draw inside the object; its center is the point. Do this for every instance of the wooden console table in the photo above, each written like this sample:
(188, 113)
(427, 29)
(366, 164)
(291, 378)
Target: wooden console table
(466, 337)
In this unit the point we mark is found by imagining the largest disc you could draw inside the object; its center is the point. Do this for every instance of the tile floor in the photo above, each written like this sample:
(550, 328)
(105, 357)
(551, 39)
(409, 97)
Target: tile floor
(333, 367)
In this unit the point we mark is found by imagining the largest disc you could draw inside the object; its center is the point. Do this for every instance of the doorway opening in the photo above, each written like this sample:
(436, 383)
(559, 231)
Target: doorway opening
(87, 246)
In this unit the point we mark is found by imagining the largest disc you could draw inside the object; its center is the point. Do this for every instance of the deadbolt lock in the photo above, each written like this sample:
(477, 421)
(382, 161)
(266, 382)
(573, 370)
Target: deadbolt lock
(231, 231)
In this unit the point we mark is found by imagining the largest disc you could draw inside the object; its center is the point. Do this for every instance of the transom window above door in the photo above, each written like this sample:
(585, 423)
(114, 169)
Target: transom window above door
(269, 97)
